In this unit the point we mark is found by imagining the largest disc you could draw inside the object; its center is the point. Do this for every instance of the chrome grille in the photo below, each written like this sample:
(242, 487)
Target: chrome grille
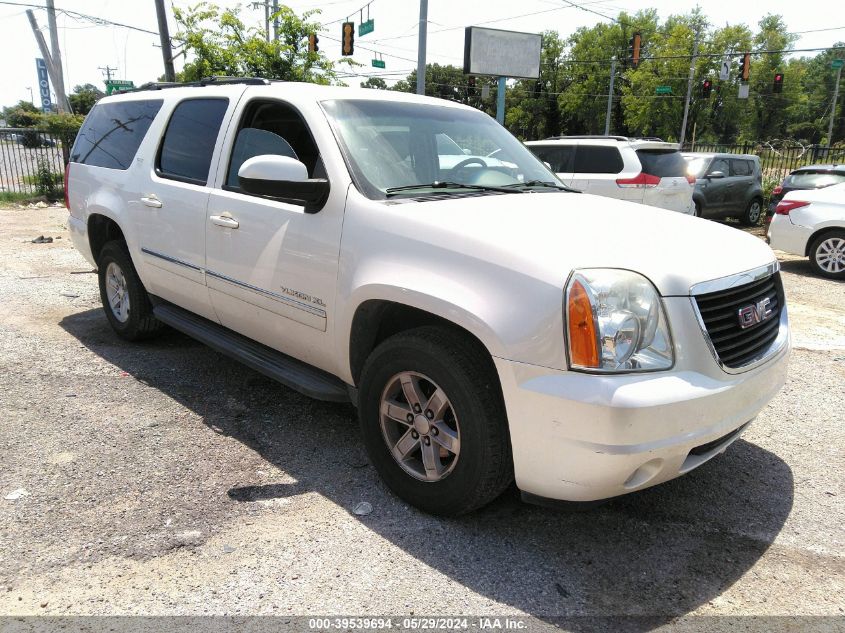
(734, 345)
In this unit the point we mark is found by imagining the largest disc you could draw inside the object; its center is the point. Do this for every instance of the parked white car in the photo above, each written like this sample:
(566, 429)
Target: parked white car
(487, 322)
(646, 171)
(811, 222)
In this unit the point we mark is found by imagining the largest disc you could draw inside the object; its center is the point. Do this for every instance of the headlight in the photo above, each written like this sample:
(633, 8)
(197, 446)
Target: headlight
(615, 322)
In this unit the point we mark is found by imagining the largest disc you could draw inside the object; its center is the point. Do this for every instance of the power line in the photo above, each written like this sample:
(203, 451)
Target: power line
(84, 16)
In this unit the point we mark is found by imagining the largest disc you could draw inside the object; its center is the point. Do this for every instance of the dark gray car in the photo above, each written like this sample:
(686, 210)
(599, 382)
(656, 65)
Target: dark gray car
(727, 186)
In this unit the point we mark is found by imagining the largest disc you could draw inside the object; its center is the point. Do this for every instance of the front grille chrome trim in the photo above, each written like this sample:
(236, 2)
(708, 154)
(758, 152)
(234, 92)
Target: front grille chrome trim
(732, 281)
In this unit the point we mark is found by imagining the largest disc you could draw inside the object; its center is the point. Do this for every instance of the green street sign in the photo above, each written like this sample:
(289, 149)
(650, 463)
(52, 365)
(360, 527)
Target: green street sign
(366, 27)
(663, 90)
(118, 85)
(378, 63)
(836, 64)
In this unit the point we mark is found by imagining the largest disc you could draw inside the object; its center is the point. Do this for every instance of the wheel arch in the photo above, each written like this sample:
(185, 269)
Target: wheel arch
(835, 228)
(102, 229)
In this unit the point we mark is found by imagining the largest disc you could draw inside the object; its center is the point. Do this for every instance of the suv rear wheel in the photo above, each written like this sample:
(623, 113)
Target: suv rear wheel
(753, 212)
(125, 301)
(827, 255)
(433, 421)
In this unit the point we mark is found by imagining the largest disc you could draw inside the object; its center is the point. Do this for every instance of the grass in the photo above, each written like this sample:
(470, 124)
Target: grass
(15, 196)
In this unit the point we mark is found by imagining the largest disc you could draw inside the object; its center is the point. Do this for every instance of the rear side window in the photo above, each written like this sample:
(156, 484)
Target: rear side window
(598, 159)
(813, 179)
(740, 167)
(112, 133)
(190, 138)
(560, 157)
(664, 164)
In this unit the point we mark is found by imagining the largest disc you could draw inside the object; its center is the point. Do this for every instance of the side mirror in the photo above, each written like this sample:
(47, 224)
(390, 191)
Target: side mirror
(283, 178)
(715, 174)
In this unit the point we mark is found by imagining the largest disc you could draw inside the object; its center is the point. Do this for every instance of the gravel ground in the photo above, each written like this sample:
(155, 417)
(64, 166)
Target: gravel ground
(163, 478)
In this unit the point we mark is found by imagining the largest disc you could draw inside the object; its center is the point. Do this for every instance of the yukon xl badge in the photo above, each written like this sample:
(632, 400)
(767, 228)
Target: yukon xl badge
(755, 313)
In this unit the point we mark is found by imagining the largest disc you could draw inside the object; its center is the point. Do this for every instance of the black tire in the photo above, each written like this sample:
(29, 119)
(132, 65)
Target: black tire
(464, 371)
(815, 249)
(140, 322)
(753, 213)
(698, 210)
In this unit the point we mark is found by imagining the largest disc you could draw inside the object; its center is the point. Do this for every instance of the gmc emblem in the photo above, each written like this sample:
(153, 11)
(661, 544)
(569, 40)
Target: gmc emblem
(755, 313)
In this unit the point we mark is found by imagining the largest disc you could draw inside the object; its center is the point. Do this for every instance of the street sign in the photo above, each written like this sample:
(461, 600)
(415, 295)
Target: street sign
(43, 85)
(366, 27)
(837, 63)
(725, 70)
(378, 63)
(743, 91)
(118, 85)
(663, 90)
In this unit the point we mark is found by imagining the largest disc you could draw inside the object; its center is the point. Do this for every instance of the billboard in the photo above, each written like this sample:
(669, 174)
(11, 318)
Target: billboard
(502, 53)
(43, 85)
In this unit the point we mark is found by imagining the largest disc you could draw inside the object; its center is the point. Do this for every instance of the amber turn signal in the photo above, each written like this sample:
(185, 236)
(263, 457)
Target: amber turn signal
(583, 343)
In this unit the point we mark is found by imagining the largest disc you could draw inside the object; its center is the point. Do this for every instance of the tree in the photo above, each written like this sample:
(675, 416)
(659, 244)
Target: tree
(83, 98)
(374, 82)
(22, 114)
(218, 42)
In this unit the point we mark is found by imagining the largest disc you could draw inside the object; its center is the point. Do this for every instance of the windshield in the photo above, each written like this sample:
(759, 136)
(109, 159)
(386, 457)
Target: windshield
(390, 144)
(663, 163)
(696, 166)
(813, 179)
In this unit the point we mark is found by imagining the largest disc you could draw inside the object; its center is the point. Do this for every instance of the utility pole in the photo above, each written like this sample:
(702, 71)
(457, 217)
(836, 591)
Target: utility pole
(59, 83)
(421, 47)
(833, 109)
(610, 96)
(48, 58)
(164, 34)
(275, 20)
(500, 100)
(683, 134)
(266, 21)
(107, 71)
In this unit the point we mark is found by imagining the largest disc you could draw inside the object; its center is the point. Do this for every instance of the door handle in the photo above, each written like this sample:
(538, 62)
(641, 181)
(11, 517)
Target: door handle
(151, 200)
(225, 220)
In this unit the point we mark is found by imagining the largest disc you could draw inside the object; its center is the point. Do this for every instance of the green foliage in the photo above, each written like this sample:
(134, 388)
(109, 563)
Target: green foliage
(374, 82)
(83, 98)
(218, 42)
(46, 181)
(22, 114)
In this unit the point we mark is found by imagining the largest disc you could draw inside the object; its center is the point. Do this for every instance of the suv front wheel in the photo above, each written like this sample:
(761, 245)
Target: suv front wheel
(433, 421)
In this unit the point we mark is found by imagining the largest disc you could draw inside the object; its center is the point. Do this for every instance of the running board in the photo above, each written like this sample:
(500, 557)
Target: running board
(302, 377)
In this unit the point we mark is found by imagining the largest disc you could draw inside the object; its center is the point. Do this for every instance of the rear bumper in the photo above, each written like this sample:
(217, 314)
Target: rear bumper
(79, 235)
(579, 437)
(785, 236)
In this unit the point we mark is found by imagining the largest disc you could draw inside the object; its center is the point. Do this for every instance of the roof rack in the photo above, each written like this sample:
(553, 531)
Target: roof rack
(205, 81)
(591, 136)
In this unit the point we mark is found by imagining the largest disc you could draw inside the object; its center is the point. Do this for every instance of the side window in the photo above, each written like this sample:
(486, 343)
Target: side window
(272, 127)
(189, 140)
(740, 167)
(559, 157)
(112, 133)
(720, 164)
(597, 159)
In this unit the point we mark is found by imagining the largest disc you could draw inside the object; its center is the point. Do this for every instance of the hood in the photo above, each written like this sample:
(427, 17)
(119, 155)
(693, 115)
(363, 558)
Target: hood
(546, 235)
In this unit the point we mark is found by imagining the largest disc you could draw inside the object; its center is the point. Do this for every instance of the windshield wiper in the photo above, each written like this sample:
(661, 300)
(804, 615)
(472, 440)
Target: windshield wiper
(542, 183)
(445, 184)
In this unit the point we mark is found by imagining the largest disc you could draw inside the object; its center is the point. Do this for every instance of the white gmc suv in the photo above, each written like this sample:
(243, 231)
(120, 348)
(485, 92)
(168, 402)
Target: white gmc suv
(488, 323)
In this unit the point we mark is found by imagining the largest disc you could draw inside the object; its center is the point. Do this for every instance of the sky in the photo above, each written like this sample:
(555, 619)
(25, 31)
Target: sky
(87, 46)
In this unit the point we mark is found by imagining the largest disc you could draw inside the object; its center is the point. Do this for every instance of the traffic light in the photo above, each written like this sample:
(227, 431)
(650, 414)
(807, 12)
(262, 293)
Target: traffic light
(313, 43)
(634, 45)
(777, 86)
(347, 38)
(706, 88)
(745, 70)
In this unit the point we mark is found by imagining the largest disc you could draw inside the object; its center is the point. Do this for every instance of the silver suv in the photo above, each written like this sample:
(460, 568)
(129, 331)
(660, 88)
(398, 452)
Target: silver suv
(646, 171)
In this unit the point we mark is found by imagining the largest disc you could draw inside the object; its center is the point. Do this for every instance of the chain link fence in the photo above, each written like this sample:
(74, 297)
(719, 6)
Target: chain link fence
(32, 161)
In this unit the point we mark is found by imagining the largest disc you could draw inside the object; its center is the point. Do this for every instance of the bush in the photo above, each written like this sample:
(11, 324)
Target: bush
(47, 182)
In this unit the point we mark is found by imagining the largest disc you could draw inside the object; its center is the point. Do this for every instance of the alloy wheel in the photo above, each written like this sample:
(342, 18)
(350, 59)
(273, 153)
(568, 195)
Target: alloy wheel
(830, 255)
(117, 292)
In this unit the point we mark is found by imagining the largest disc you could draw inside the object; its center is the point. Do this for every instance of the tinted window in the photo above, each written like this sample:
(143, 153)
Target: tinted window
(720, 164)
(559, 157)
(664, 164)
(813, 179)
(190, 138)
(740, 167)
(596, 159)
(112, 133)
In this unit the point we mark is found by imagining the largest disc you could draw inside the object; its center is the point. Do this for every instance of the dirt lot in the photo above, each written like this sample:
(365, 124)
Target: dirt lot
(162, 478)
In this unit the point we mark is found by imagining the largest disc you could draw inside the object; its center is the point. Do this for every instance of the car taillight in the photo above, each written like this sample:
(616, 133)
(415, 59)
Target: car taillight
(690, 179)
(642, 180)
(67, 173)
(785, 206)
(777, 191)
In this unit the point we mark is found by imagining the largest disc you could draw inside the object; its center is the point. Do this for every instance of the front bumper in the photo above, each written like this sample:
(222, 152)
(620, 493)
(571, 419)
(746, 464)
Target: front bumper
(580, 437)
